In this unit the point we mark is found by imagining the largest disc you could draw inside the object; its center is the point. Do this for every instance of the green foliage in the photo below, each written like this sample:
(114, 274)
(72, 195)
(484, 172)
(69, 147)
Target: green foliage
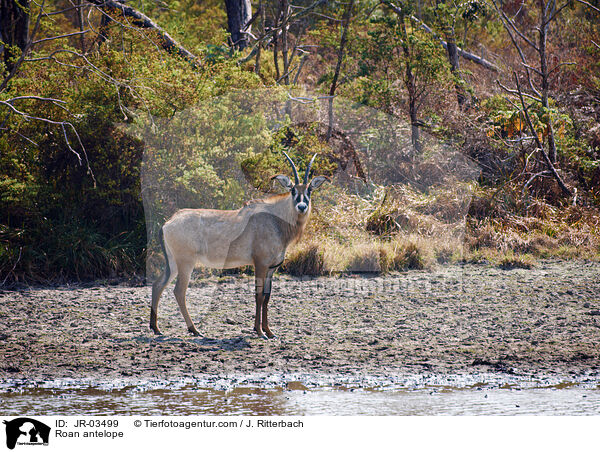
(508, 121)
(385, 52)
(59, 220)
(192, 159)
(300, 142)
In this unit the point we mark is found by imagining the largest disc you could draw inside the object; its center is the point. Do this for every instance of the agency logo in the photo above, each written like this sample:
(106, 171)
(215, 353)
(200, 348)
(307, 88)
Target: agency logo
(26, 431)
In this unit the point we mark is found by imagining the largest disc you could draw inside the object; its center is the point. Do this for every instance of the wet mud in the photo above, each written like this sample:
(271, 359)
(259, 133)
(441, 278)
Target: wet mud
(470, 322)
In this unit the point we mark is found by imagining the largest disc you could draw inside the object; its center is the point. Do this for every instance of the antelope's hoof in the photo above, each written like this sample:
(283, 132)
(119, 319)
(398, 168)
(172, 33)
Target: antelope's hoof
(194, 331)
(271, 335)
(156, 330)
(261, 334)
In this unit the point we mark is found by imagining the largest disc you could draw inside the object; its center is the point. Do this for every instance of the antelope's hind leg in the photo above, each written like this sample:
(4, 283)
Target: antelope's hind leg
(157, 289)
(185, 271)
(169, 273)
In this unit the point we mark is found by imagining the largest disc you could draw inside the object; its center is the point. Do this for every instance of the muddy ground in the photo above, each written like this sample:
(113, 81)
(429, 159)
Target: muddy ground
(452, 320)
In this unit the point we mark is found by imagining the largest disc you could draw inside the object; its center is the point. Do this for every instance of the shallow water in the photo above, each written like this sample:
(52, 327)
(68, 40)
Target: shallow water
(295, 398)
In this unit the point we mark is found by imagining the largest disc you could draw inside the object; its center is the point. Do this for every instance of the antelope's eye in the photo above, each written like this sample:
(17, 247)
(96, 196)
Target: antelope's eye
(293, 191)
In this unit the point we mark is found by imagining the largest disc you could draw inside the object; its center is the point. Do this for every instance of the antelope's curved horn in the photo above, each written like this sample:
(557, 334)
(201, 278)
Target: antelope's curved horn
(293, 168)
(307, 173)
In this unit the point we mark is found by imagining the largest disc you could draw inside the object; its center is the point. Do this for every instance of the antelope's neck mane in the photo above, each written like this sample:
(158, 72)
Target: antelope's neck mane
(268, 200)
(280, 205)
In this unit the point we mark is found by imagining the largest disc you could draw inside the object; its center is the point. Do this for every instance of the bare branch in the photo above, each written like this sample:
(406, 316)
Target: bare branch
(59, 103)
(511, 24)
(63, 125)
(143, 21)
(535, 176)
(537, 71)
(302, 61)
(14, 266)
(52, 38)
(463, 53)
(589, 5)
(556, 12)
(516, 93)
(66, 10)
(558, 66)
(528, 68)
(126, 26)
(25, 52)
(551, 167)
(338, 67)
(274, 31)
(46, 99)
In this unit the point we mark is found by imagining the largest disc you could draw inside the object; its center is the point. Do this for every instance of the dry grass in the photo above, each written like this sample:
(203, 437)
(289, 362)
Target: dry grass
(398, 229)
(363, 256)
(305, 259)
(393, 230)
(532, 230)
(510, 260)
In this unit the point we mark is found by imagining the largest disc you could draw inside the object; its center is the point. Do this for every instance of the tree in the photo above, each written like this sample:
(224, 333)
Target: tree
(398, 51)
(539, 73)
(538, 76)
(239, 14)
(14, 29)
(338, 66)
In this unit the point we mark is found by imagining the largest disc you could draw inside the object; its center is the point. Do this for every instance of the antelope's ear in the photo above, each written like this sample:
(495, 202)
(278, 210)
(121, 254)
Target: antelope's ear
(284, 181)
(317, 182)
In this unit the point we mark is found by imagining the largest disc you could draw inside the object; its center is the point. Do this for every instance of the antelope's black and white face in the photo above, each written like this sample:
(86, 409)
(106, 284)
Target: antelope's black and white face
(300, 198)
(300, 192)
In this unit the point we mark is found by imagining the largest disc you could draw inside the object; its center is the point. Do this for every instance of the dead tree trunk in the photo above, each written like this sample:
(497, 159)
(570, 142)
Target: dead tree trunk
(239, 13)
(452, 50)
(544, 73)
(143, 21)
(338, 66)
(14, 29)
(411, 87)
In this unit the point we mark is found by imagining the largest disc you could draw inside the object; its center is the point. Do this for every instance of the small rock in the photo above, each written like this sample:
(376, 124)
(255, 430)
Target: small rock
(230, 321)
(481, 362)
(594, 312)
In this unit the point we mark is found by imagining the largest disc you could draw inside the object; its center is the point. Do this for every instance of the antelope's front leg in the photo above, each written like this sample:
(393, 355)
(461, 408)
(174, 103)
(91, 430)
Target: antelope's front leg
(259, 286)
(267, 296)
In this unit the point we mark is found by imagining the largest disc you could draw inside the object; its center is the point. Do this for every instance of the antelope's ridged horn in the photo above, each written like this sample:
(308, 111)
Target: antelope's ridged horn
(293, 167)
(307, 173)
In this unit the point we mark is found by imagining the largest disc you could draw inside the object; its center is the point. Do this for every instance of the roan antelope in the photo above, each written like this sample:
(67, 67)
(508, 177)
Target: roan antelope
(257, 234)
